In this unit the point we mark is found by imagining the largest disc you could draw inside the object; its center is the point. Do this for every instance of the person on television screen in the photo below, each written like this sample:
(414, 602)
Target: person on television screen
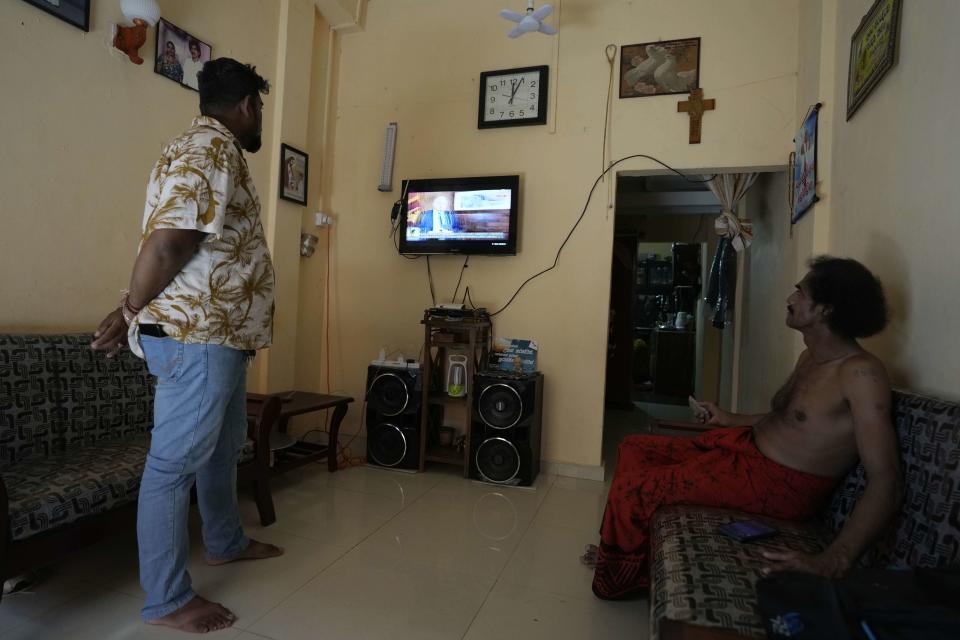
(832, 412)
(168, 64)
(193, 65)
(440, 219)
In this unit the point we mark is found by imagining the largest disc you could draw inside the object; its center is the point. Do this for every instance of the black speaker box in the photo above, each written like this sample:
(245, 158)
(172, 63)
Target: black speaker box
(393, 417)
(505, 432)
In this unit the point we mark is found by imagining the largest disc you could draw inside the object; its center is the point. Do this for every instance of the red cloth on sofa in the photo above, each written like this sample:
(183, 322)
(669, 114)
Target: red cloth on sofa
(719, 468)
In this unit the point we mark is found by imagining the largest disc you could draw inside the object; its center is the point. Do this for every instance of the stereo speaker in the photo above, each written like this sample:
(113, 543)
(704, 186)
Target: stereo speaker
(393, 417)
(505, 432)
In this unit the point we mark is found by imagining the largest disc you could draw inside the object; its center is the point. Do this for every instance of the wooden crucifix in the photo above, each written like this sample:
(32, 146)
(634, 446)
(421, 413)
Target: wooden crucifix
(695, 106)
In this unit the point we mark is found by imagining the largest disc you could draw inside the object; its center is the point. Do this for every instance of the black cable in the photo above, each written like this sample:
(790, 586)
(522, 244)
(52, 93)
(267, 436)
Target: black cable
(556, 259)
(453, 298)
(433, 295)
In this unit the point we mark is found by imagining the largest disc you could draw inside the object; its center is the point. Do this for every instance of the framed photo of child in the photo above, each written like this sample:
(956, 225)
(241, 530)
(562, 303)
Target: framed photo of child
(293, 174)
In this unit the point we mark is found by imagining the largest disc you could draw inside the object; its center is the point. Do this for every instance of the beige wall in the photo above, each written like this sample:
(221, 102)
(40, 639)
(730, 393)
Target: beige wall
(889, 196)
(428, 84)
(82, 127)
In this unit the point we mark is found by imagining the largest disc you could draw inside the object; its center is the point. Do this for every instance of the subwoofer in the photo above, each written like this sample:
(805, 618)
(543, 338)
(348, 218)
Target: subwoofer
(393, 417)
(505, 432)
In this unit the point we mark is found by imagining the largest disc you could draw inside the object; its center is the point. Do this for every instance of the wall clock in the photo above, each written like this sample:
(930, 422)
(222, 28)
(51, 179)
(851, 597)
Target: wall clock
(513, 97)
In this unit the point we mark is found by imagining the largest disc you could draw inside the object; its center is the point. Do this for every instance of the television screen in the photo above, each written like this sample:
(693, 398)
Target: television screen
(473, 216)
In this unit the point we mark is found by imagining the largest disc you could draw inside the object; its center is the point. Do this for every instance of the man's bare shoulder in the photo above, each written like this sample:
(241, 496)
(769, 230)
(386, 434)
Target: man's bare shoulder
(864, 367)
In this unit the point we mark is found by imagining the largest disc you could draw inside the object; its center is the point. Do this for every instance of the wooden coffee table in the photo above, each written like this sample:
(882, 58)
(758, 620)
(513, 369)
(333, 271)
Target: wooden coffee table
(296, 403)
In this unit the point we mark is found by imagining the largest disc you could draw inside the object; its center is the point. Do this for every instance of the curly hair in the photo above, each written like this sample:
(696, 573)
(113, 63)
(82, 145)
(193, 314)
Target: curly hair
(859, 308)
(224, 82)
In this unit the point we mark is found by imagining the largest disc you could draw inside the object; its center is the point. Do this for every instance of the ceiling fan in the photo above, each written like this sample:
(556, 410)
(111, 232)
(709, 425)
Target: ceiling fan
(531, 21)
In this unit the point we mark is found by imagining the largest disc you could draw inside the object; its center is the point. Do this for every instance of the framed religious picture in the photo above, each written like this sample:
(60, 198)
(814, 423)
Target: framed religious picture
(293, 174)
(180, 56)
(873, 51)
(659, 68)
(804, 179)
(75, 12)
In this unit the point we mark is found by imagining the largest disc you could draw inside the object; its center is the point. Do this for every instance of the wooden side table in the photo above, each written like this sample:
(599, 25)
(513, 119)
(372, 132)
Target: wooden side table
(296, 403)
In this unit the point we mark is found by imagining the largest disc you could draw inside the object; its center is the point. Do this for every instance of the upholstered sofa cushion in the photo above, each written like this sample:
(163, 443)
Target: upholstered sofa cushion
(46, 493)
(700, 576)
(28, 397)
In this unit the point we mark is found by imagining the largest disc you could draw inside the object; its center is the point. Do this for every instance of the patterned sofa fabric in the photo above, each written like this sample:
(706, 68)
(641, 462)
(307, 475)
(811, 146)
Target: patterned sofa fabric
(702, 577)
(46, 493)
(56, 393)
(28, 398)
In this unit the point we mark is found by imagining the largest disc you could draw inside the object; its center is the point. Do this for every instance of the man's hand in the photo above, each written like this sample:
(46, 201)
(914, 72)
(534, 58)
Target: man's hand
(716, 416)
(821, 564)
(111, 335)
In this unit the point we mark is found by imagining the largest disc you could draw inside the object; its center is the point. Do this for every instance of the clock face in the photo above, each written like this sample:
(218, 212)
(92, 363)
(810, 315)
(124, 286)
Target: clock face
(513, 97)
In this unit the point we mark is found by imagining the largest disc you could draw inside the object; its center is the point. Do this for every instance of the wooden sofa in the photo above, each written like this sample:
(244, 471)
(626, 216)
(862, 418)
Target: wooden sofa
(74, 435)
(702, 579)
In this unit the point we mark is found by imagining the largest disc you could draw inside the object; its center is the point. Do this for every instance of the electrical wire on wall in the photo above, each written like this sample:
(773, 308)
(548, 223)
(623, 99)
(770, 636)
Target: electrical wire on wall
(586, 204)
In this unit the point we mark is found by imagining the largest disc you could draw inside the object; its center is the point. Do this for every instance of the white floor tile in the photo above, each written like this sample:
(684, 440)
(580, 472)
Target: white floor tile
(351, 600)
(548, 560)
(534, 615)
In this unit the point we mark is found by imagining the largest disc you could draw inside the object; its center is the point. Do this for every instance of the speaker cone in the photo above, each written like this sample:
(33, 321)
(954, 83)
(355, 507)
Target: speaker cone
(500, 406)
(388, 394)
(387, 445)
(498, 460)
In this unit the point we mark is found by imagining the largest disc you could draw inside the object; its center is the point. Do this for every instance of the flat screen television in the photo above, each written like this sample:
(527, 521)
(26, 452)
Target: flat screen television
(468, 216)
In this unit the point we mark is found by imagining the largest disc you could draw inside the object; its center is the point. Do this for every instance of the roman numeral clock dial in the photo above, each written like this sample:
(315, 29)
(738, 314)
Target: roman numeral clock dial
(513, 97)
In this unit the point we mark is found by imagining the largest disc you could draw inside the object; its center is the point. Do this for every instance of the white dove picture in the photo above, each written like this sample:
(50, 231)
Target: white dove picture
(667, 78)
(642, 71)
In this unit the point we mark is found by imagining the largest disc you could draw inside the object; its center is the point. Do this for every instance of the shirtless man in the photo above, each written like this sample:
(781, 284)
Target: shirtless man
(833, 411)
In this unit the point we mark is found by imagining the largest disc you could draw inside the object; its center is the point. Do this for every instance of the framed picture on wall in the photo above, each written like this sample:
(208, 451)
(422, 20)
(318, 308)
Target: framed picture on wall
(293, 174)
(180, 56)
(75, 12)
(873, 51)
(804, 179)
(659, 68)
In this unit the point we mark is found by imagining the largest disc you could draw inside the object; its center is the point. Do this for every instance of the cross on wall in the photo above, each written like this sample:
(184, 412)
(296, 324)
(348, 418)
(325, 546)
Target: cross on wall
(695, 107)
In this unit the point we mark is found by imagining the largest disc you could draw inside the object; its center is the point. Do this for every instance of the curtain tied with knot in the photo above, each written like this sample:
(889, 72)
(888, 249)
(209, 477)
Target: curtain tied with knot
(735, 236)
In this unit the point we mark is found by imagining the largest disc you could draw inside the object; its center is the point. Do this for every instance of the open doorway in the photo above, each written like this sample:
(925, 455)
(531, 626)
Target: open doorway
(661, 348)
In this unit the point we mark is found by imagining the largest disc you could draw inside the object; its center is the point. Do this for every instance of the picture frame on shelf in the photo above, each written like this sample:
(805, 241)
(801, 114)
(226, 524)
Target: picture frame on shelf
(179, 55)
(294, 165)
(873, 51)
(660, 68)
(75, 12)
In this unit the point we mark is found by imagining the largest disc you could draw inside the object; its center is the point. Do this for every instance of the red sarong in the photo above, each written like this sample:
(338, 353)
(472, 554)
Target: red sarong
(720, 468)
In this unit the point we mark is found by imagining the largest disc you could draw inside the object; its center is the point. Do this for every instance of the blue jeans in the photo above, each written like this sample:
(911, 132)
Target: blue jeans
(199, 428)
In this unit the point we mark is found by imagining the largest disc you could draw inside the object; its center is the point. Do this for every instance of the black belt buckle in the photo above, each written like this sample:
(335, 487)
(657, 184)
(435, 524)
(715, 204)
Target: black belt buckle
(152, 330)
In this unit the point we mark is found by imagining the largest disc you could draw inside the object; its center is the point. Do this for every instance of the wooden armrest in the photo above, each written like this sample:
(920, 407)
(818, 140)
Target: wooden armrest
(681, 425)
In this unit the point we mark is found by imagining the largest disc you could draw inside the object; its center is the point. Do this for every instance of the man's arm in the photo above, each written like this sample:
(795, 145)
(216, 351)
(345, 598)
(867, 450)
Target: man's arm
(867, 389)
(161, 258)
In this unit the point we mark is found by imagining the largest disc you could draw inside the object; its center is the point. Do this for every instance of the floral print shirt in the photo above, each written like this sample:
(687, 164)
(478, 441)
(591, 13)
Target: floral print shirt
(224, 294)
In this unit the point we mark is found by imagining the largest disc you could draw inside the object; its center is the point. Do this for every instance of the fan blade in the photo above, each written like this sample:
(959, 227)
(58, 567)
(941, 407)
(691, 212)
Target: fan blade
(513, 16)
(543, 12)
(547, 29)
(516, 32)
(528, 24)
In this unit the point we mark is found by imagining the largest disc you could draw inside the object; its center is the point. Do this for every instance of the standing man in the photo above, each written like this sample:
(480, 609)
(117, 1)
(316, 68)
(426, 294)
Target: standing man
(193, 65)
(200, 304)
(832, 411)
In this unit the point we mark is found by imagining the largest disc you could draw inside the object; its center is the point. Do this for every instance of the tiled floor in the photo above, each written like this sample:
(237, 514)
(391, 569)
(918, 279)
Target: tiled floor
(369, 554)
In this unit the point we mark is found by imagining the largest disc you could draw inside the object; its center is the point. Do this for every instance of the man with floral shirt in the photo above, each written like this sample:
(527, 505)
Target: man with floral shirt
(200, 303)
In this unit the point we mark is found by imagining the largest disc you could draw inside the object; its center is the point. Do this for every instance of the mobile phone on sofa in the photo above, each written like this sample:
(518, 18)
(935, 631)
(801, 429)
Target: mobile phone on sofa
(747, 530)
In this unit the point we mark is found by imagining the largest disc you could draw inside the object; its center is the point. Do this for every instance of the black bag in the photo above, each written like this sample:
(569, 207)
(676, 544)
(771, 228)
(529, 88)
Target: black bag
(872, 604)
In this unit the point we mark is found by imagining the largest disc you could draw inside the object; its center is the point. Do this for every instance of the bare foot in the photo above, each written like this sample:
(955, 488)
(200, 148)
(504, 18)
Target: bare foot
(590, 557)
(254, 551)
(197, 616)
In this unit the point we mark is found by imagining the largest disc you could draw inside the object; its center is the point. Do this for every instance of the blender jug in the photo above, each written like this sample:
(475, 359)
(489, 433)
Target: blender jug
(457, 376)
